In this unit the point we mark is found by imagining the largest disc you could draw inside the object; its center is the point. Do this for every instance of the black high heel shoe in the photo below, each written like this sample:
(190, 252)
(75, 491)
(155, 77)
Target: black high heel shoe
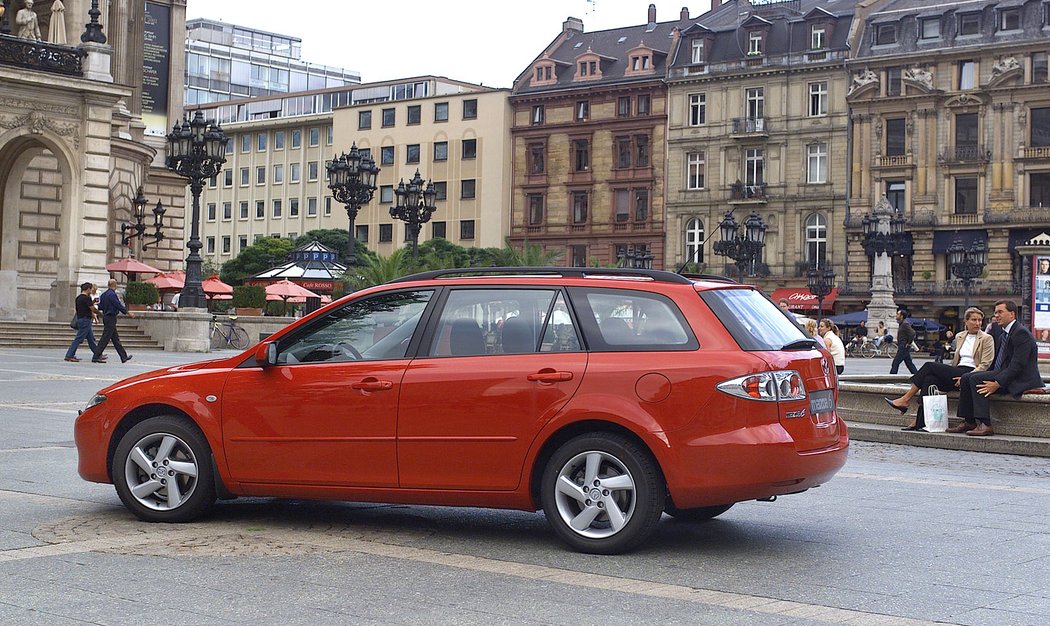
(903, 410)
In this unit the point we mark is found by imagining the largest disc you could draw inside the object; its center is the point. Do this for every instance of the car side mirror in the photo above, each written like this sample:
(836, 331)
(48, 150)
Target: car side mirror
(266, 354)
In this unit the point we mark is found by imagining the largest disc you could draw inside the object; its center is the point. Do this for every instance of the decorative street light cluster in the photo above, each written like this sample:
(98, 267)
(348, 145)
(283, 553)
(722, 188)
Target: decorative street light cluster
(635, 258)
(743, 247)
(895, 242)
(967, 265)
(415, 205)
(196, 151)
(820, 282)
(138, 229)
(352, 179)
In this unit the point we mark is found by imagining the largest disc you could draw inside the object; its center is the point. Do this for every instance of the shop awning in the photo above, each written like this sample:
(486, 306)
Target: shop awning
(802, 299)
(942, 239)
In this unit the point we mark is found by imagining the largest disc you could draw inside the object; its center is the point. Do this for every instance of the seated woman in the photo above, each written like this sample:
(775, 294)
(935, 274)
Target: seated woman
(974, 350)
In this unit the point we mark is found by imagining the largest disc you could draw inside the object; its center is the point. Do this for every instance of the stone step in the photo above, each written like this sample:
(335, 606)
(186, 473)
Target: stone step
(59, 335)
(997, 444)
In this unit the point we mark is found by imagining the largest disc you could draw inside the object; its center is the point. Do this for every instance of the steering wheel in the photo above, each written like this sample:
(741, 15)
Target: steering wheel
(349, 350)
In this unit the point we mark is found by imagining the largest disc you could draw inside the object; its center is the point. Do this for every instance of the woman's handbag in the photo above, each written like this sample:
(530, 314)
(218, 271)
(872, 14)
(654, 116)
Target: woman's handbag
(73, 323)
(935, 412)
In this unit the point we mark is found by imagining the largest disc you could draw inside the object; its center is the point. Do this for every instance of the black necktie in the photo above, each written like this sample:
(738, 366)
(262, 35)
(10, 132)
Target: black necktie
(1002, 351)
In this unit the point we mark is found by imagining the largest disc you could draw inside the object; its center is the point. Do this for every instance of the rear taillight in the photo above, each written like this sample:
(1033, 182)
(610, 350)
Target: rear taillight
(767, 386)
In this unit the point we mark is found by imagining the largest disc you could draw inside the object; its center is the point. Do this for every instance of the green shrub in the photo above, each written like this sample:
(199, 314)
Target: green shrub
(249, 297)
(141, 293)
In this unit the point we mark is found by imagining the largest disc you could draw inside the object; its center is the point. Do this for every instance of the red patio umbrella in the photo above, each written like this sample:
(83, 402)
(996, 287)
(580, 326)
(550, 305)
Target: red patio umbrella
(169, 281)
(131, 267)
(215, 289)
(286, 289)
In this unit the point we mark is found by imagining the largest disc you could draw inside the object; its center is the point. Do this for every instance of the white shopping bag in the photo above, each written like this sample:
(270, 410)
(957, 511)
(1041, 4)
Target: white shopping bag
(935, 413)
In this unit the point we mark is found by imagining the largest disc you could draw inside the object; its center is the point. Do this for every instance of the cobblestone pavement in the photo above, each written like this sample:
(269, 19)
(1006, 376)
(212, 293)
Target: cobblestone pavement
(913, 456)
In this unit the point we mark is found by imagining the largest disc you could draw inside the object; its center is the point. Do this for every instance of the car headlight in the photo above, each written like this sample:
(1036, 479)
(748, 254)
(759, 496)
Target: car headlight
(95, 400)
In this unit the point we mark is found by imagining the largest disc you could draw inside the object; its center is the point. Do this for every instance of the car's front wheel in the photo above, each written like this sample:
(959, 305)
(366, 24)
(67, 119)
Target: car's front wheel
(602, 493)
(162, 470)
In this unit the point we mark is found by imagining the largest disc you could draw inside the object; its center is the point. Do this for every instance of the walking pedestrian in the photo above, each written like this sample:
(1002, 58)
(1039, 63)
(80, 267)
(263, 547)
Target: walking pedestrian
(905, 335)
(111, 307)
(86, 313)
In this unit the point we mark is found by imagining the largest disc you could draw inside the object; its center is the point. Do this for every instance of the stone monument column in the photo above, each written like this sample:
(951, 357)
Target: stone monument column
(882, 308)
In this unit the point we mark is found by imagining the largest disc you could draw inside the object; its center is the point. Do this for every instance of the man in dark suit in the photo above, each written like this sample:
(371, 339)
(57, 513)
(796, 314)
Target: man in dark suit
(111, 307)
(905, 335)
(1014, 371)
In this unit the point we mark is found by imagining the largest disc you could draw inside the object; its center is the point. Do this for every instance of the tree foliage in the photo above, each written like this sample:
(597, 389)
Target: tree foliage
(260, 256)
(379, 269)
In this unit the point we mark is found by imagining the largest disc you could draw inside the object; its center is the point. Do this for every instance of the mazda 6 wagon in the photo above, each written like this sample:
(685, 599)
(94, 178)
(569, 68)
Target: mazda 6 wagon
(604, 397)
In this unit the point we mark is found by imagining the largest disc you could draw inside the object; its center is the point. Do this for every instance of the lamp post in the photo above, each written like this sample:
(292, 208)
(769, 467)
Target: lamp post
(745, 246)
(196, 151)
(967, 265)
(137, 230)
(352, 180)
(820, 282)
(635, 258)
(415, 205)
(884, 237)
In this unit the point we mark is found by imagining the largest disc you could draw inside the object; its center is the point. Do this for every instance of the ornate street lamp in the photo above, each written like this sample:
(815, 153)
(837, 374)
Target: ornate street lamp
(352, 179)
(967, 265)
(137, 230)
(743, 247)
(820, 282)
(196, 151)
(415, 205)
(635, 258)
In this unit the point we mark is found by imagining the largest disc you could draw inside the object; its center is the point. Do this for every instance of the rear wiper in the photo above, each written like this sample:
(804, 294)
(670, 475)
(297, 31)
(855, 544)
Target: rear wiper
(802, 344)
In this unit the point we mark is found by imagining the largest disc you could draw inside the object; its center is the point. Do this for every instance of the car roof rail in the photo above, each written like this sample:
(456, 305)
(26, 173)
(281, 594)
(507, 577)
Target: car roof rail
(574, 272)
(714, 278)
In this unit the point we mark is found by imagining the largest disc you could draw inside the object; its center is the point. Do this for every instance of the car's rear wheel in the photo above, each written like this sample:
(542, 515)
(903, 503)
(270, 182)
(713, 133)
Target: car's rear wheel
(162, 470)
(699, 514)
(602, 493)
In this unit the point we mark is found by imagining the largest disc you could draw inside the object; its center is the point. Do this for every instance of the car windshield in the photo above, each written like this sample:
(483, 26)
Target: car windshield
(753, 320)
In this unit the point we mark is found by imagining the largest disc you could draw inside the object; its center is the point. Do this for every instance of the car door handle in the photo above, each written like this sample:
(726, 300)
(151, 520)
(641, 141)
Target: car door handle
(372, 384)
(550, 376)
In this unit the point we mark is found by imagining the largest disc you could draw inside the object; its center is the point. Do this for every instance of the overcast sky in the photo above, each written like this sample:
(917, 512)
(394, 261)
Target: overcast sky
(479, 41)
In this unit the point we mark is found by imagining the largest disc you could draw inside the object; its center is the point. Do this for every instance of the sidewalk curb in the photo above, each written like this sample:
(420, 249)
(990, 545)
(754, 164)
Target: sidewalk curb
(996, 444)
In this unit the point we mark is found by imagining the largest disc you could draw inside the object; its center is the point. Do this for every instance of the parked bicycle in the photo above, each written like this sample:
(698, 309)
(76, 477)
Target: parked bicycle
(228, 334)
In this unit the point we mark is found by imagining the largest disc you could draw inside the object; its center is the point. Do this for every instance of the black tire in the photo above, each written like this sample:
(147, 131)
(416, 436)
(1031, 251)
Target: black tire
(638, 494)
(186, 465)
(239, 340)
(699, 514)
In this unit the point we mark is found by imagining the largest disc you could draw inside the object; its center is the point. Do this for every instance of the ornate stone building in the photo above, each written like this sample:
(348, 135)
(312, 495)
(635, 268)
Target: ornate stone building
(951, 122)
(757, 122)
(75, 145)
(589, 146)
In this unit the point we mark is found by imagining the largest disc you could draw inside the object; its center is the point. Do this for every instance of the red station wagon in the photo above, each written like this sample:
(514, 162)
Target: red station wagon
(604, 397)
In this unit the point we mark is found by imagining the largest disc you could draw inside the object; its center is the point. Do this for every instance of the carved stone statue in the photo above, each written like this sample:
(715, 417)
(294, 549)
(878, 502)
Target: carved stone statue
(56, 30)
(863, 78)
(1004, 65)
(28, 27)
(919, 75)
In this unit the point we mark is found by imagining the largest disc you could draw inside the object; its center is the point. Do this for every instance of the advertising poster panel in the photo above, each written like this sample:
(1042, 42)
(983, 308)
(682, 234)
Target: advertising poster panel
(156, 68)
(1041, 303)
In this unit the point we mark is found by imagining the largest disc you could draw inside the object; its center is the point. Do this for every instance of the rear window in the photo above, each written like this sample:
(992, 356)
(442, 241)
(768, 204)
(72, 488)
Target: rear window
(628, 320)
(754, 321)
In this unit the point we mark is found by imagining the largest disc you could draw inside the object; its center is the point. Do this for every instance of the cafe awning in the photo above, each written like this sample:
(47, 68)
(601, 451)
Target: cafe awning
(802, 299)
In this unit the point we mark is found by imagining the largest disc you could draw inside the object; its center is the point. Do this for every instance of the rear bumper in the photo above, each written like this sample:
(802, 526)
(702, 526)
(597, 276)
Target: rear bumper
(748, 464)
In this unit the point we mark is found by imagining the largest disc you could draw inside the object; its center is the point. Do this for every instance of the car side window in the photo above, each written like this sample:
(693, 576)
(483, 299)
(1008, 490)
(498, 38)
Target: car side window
(560, 334)
(375, 328)
(479, 321)
(621, 319)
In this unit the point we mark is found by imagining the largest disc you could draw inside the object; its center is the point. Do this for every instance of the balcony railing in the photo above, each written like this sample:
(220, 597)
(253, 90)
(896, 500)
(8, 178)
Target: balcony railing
(1018, 215)
(1038, 152)
(41, 55)
(749, 126)
(981, 287)
(966, 154)
(745, 193)
(896, 160)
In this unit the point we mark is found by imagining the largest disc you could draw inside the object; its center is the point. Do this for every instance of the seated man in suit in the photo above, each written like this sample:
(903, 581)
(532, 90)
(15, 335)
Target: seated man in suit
(1014, 371)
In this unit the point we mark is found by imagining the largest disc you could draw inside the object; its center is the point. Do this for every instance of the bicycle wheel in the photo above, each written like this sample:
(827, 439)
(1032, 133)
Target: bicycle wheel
(867, 350)
(239, 338)
(218, 339)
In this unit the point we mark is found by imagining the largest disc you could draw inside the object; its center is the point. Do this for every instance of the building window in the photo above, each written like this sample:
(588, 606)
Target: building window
(640, 63)
(930, 28)
(470, 148)
(817, 38)
(817, 163)
(538, 114)
(644, 104)
(1039, 189)
(588, 68)
(537, 158)
(414, 114)
(754, 166)
(970, 24)
(364, 120)
(698, 51)
(386, 194)
(311, 207)
(535, 209)
(412, 153)
(623, 106)
(694, 178)
(1039, 68)
(211, 245)
(245, 177)
(467, 189)
(260, 209)
(641, 205)
(441, 189)
(1040, 120)
(213, 181)
(581, 149)
(754, 42)
(328, 205)
(278, 174)
(578, 252)
(440, 111)
(437, 229)
(694, 240)
(965, 195)
(623, 152)
(470, 109)
(277, 208)
(817, 240)
(243, 209)
(641, 150)
(278, 140)
(583, 110)
(1010, 19)
(311, 171)
(315, 137)
(580, 202)
(297, 135)
(967, 72)
(893, 81)
(885, 34)
(697, 109)
(966, 134)
(242, 242)
(466, 229)
(261, 142)
(440, 150)
(818, 98)
(227, 211)
(329, 134)
(295, 172)
(293, 207)
(246, 143)
(896, 139)
(260, 175)
(895, 190)
(386, 155)
(621, 205)
(756, 103)
(211, 211)
(227, 178)
(388, 118)
(386, 233)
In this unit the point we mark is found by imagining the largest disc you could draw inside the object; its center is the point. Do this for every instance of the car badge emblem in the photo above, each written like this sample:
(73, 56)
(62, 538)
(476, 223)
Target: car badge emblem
(795, 414)
(825, 366)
